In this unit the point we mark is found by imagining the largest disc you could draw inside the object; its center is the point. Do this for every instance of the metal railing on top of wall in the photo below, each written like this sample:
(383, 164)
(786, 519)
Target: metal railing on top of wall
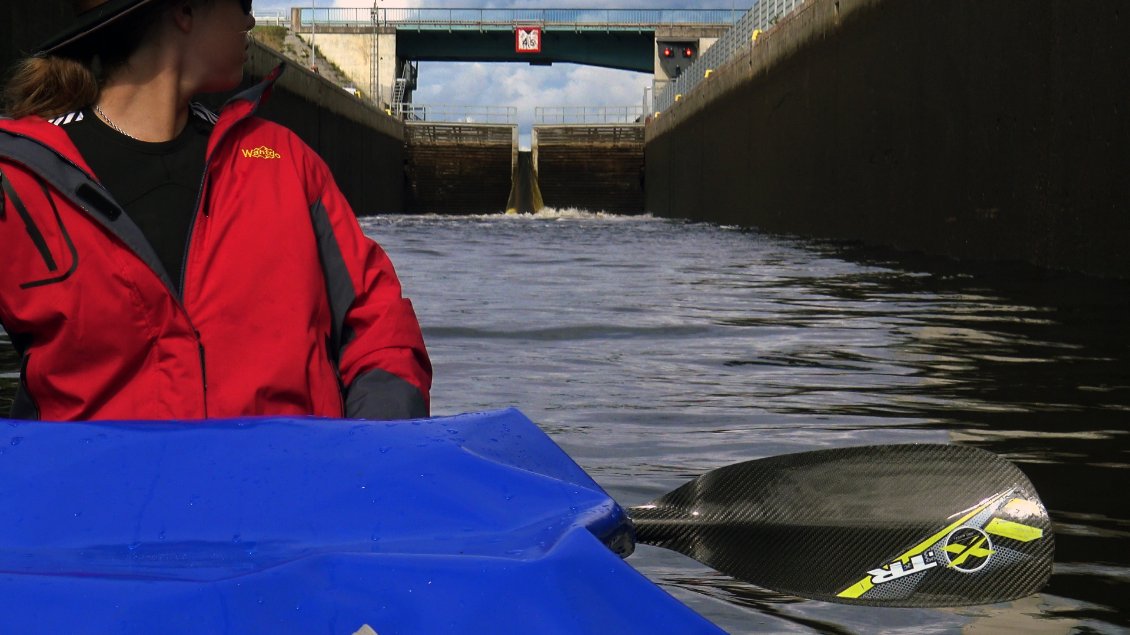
(472, 17)
(587, 114)
(271, 18)
(763, 15)
(447, 113)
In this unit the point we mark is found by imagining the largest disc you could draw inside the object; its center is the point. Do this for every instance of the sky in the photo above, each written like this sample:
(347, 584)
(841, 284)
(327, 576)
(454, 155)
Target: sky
(521, 85)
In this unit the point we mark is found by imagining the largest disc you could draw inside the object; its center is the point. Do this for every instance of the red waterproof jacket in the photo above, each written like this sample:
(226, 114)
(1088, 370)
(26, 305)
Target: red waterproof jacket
(286, 307)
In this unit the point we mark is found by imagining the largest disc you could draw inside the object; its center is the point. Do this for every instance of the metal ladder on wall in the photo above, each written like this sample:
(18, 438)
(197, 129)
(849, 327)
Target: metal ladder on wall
(402, 89)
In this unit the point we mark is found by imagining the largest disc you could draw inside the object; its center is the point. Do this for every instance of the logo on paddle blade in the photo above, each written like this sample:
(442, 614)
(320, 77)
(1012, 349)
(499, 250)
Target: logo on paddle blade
(897, 569)
(961, 546)
(968, 549)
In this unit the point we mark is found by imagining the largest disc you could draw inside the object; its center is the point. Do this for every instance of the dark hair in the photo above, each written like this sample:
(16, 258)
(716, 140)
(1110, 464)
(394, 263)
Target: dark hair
(52, 85)
(49, 86)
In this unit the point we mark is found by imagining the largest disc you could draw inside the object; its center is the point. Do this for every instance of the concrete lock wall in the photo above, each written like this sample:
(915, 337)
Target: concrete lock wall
(363, 146)
(459, 168)
(590, 166)
(970, 128)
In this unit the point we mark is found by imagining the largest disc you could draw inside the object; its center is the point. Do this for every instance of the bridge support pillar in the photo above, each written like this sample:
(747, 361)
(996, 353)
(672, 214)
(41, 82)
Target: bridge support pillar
(366, 56)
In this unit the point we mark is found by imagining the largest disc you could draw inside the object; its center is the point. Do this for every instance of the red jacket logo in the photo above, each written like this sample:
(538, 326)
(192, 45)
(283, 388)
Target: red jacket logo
(262, 152)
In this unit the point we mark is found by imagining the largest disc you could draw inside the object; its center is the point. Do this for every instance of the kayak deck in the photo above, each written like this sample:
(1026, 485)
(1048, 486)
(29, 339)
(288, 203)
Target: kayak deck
(477, 523)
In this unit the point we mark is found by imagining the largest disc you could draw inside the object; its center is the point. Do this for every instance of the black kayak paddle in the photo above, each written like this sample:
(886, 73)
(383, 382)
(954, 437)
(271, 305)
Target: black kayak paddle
(885, 525)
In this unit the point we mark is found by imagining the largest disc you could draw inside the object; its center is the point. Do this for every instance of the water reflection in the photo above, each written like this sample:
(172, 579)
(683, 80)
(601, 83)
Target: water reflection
(655, 350)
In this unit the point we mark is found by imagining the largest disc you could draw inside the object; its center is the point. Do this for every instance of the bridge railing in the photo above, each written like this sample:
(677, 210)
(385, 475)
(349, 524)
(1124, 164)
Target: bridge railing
(449, 113)
(587, 114)
(272, 18)
(761, 17)
(476, 17)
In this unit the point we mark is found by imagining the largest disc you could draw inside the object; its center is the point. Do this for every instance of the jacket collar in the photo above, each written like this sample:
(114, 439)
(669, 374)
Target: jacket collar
(239, 107)
(46, 150)
(243, 105)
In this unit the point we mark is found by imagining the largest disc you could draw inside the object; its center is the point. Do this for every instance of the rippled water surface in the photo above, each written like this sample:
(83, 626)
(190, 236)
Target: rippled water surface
(655, 350)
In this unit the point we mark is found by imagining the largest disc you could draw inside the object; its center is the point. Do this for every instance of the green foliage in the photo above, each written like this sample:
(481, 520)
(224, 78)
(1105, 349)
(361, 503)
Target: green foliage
(272, 36)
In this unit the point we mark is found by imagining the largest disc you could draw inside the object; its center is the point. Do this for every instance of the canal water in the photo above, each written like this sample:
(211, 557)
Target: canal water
(654, 350)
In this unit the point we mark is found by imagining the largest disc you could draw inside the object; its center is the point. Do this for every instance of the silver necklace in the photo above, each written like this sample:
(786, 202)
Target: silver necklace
(113, 125)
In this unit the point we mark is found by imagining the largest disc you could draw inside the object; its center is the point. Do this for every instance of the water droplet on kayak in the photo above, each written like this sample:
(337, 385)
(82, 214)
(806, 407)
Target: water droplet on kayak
(16, 440)
(384, 450)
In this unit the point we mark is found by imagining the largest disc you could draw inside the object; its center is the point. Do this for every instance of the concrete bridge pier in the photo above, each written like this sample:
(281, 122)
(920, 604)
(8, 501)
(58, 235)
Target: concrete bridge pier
(354, 48)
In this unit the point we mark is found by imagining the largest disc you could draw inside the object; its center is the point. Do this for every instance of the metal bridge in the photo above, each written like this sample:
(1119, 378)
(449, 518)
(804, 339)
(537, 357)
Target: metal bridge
(481, 19)
(611, 38)
(638, 40)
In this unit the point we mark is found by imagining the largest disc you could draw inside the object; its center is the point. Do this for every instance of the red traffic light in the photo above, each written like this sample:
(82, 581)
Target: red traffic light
(668, 51)
(688, 51)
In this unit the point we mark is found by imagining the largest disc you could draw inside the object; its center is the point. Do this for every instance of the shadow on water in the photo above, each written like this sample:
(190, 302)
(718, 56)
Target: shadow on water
(1037, 369)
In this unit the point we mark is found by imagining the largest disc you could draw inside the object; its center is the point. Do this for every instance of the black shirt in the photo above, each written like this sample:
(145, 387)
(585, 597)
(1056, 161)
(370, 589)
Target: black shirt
(157, 184)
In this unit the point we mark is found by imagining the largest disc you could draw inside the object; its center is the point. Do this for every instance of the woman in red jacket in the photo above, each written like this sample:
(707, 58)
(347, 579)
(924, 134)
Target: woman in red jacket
(161, 261)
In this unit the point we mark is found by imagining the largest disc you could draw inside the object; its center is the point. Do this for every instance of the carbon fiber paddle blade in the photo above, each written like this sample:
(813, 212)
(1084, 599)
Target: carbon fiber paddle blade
(894, 525)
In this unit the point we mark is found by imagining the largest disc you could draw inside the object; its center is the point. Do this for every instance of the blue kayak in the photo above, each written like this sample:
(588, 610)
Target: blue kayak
(477, 523)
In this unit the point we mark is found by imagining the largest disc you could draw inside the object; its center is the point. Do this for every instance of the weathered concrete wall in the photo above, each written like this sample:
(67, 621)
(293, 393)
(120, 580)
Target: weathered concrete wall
(363, 146)
(353, 54)
(459, 168)
(593, 167)
(980, 129)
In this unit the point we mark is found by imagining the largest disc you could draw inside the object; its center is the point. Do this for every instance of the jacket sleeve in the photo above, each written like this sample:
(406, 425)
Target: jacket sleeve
(382, 359)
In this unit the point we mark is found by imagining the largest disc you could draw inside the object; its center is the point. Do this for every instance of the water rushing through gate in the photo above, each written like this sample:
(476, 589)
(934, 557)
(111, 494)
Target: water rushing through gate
(655, 350)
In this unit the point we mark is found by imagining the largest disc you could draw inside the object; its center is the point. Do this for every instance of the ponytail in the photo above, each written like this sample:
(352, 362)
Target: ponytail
(52, 85)
(49, 86)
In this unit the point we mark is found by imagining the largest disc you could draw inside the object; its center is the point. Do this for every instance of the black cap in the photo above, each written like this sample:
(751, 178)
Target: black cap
(91, 16)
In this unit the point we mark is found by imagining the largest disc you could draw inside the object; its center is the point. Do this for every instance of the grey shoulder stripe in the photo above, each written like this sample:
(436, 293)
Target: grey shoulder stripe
(79, 189)
(339, 286)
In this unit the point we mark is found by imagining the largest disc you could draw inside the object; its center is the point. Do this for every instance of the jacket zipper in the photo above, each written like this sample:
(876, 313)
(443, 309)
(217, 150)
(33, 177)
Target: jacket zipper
(331, 357)
(203, 370)
(199, 208)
